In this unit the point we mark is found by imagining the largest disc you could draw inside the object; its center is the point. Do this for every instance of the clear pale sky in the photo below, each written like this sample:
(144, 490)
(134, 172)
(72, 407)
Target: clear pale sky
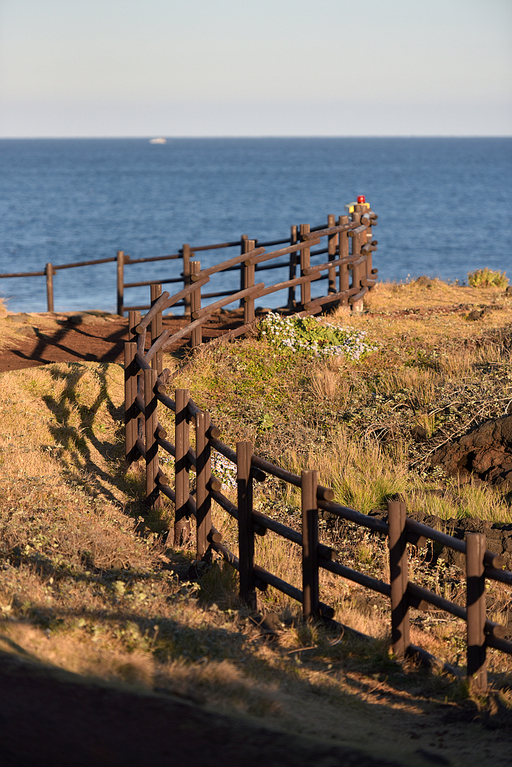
(255, 68)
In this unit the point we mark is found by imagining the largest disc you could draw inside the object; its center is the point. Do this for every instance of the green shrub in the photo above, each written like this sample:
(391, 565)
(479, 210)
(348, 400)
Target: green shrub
(487, 278)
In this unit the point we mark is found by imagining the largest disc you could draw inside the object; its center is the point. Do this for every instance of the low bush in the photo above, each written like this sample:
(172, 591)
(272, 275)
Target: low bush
(487, 278)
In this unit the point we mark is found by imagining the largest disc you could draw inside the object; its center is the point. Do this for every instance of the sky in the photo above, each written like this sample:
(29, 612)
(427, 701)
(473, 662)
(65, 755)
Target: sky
(99, 68)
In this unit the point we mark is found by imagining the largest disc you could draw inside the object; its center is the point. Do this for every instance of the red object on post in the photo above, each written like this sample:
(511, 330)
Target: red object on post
(361, 198)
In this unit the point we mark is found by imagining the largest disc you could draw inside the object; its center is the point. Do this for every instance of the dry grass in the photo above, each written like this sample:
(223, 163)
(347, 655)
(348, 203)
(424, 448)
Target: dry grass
(90, 586)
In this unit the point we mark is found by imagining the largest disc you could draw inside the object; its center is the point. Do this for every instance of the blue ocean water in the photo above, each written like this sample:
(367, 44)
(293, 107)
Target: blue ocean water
(443, 203)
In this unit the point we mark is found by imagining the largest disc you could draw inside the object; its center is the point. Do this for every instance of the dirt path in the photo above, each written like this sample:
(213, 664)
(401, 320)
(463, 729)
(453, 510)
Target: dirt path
(29, 340)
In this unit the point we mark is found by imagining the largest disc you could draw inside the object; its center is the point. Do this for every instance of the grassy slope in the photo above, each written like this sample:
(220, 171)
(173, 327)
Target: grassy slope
(89, 587)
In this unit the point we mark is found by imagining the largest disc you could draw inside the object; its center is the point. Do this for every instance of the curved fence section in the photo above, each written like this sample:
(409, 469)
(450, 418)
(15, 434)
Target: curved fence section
(357, 225)
(347, 277)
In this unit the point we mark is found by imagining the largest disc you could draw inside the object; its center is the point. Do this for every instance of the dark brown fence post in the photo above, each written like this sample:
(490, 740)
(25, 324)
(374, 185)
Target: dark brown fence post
(248, 282)
(332, 248)
(343, 273)
(310, 594)
(475, 604)
(196, 337)
(293, 268)
(186, 276)
(48, 270)
(133, 321)
(243, 249)
(157, 363)
(245, 523)
(182, 468)
(358, 271)
(120, 282)
(130, 408)
(151, 418)
(399, 577)
(367, 240)
(203, 476)
(305, 261)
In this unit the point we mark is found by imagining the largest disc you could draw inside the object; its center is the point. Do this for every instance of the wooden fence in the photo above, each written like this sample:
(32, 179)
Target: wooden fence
(356, 226)
(145, 391)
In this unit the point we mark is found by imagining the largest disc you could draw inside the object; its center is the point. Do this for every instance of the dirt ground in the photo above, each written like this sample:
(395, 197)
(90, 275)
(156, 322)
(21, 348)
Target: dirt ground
(29, 340)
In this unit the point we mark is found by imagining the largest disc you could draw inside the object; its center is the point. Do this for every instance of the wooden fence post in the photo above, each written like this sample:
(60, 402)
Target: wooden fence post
(182, 468)
(357, 270)
(48, 270)
(369, 258)
(343, 274)
(243, 249)
(305, 261)
(196, 337)
(475, 606)
(151, 420)
(120, 282)
(248, 282)
(399, 577)
(133, 321)
(203, 477)
(245, 523)
(293, 268)
(130, 408)
(332, 248)
(186, 276)
(157, 363)
(310, 587)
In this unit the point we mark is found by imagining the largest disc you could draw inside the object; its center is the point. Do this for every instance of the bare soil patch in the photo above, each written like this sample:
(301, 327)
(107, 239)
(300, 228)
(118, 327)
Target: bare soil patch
(29, 340)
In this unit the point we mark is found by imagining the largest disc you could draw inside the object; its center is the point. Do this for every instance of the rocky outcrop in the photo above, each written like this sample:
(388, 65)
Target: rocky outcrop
(485, 453)
(498, 536)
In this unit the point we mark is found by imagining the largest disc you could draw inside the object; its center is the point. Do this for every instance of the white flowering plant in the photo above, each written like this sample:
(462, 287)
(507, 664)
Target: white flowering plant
(224, 470)
(312, 336)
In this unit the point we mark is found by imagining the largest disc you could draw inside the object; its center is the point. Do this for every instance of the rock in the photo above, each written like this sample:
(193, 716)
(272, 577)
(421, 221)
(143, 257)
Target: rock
(26, 330)
(498, 537)
(485, 453)
(21, 317)
(476, 314)
(83, 318)
(419, 433)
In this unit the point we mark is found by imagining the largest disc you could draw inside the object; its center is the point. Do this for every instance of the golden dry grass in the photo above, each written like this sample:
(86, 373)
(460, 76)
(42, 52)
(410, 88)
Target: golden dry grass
(90, 586)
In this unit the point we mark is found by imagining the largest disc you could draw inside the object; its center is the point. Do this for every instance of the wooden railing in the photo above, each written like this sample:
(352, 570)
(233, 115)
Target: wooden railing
(145, 381)
(400, 531)
(146, 391)
(356, 226)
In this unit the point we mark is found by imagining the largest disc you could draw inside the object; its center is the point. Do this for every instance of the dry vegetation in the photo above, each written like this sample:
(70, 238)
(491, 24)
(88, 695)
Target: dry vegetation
(90, 585)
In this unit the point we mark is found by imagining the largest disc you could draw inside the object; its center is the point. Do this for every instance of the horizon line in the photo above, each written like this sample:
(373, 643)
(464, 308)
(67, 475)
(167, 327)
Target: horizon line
(269, 136)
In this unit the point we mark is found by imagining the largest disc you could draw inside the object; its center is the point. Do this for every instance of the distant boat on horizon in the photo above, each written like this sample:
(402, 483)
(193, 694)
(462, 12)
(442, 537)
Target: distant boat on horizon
(159, 140)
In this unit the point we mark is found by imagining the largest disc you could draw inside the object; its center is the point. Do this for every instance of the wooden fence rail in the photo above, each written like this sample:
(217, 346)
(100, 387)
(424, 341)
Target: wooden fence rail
(338, 242)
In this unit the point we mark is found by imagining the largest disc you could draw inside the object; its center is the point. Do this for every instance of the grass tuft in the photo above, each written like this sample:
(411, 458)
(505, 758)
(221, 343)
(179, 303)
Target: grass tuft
(487, 278)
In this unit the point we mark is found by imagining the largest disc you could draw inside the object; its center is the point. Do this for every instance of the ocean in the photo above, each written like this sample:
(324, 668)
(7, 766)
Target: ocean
(444, 205)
